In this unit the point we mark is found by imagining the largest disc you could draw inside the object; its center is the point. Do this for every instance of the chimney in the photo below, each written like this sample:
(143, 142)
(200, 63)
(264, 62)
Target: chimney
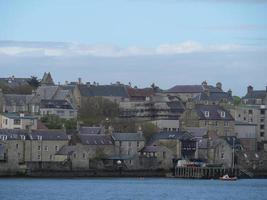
(140, 130)
(204, 83)
(79, 80)
(229, 92)
(219, 85)
(110, 130)
(249, 89)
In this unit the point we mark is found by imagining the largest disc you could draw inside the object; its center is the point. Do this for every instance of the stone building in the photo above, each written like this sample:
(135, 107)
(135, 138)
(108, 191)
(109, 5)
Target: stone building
(182, 144)
(18, 121)
(213, 117)
(60, 108)
(127, 146)
(204, 93)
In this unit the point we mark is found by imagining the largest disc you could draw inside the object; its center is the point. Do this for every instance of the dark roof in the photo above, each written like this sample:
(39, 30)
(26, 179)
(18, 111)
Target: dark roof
(197, 132)
(191, 89)
(103, 90)
(66, 150)
(214, 112)
(170, 136)
(17, 99)
(46, 91)
(48, 135)
(90, 130)
(95, 139)
(214, 96)
(13, 134)
(128, 136)
(136, 92)
(60, 104)
(256, 94)
(151, 149)
(18, 116)
(233, 141)
(15, 82)
(176, 105)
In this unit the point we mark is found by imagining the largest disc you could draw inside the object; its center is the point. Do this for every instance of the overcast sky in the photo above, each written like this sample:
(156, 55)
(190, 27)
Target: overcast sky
(168, 42)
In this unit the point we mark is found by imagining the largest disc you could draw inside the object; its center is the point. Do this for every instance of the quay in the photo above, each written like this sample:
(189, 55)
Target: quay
(205, 172)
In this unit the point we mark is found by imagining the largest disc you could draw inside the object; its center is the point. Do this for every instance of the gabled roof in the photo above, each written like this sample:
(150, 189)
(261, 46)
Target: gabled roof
(47, 79)
(136, 92)
(214, 96)
(66, 150)
(48, 135)
(128, 136)
(56, 104)
(256, 94)
(197, 132)
(214, 112)
(170, 136)
(15, 82)
(90, 130)
(46, 92)
(18, 116)
(154, 149)
(103, 90)
(13, 134)
(191, 89)
(95, 139)
(17, 99)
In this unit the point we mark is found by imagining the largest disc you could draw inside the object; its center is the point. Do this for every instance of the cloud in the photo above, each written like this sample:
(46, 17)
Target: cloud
(50, 49)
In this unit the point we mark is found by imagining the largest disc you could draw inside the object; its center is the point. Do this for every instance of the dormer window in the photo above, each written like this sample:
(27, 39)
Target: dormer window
(39, 137)
(222, 114)
(207, 114)
(22, 137)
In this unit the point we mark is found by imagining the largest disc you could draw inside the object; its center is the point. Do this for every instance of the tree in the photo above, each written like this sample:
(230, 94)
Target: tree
(34, 82)
(96, 110)
(149, 129)
(237, 100)
(55, 122)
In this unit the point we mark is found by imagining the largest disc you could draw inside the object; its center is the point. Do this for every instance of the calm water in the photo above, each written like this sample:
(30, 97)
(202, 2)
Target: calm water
(131, 188)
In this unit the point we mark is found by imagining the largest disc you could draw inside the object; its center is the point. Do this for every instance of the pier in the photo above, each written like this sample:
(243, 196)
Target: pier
(204, 172)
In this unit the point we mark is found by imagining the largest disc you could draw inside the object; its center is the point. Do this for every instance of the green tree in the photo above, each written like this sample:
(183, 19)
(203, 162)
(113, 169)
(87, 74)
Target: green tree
(149, 129)
(237, 100)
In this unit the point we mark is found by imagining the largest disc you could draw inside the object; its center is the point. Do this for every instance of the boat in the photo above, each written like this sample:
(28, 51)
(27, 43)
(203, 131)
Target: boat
(228, 178)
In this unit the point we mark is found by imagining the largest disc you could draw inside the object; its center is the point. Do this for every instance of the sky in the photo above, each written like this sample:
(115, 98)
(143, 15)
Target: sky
(168, 42)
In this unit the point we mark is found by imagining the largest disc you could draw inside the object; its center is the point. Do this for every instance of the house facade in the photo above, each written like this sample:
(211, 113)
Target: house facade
(18, 121)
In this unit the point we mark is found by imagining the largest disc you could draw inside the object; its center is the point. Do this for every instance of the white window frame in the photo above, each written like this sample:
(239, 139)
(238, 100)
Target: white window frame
(207, 114)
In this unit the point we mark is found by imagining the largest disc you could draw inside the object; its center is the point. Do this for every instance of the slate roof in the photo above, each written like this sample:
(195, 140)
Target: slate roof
(128, 137)
(61, 94)
(103, 90)
(197, 132)
(66, 150)
(13, 134)
(154, 149)
(191, 89)
(256, 94)
(15, 82)
(214, 112)
(57, 104)
(90, 130)
(176, 105)
(2, 148)
(18, 116)
(17, 99)
(170, 136)
(214, 96)
(46, 92)
(95, 139)
(136, 92)
(48, 135)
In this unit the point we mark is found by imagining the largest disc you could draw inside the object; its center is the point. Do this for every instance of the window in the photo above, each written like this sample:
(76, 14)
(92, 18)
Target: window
(130, 162)
(216, 123)
(222, 155)
(39, 157)
(71, 113)
(250, 112)
(46, 148)
(262, 134)
(39, 148)
(239, 115)
(226, 123)
(22, 137)
(74, 155)
(262, 111)
(262, 119)
(3, 137)
(245, 118)
(207, 114)
(130, 144)
(6, 121)
(120, 143)
(83, 155)
(138, 144)
(60, 112)
(261, 126)
(206, 123)
(39, 137)
(17, 146)
(51, 157)
(56, 148)
(222, 114)
(16, 121)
